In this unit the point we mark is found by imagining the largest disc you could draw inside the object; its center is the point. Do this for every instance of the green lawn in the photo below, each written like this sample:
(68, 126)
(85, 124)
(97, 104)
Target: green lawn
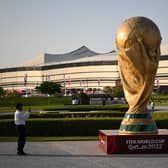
(7, 104)
(120, 107)
(161, 100)
(33, 107)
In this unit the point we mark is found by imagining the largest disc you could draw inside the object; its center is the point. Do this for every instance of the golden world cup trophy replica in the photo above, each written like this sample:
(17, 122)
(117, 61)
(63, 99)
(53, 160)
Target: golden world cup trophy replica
(138, 44)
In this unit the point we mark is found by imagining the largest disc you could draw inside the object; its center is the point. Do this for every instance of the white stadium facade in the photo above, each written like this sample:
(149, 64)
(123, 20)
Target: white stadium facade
(79, 69)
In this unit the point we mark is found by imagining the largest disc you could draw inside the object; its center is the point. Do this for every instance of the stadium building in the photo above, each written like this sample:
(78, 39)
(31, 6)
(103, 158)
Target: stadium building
(79, 69)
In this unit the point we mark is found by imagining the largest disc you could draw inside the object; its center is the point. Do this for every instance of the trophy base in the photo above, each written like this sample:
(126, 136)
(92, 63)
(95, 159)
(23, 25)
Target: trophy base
(114, 143)
(138, 132)
(138, 123)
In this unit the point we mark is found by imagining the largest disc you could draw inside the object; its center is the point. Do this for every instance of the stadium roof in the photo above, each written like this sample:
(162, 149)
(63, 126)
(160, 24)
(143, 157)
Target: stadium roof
(82, 54)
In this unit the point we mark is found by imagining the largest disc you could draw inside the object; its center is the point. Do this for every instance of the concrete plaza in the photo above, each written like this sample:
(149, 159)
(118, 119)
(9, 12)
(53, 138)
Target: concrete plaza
(74, 154)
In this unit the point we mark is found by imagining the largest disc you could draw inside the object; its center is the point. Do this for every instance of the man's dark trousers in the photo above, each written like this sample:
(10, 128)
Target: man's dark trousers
(21, 137)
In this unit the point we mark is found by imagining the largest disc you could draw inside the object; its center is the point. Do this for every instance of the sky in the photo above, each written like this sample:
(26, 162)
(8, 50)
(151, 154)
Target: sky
(29, 28)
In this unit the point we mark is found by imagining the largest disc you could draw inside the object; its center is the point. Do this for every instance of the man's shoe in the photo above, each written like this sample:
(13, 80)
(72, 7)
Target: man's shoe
(21, 153)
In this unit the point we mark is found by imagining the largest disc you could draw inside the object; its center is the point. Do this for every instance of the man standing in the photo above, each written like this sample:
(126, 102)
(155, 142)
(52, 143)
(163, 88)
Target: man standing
(20, 118)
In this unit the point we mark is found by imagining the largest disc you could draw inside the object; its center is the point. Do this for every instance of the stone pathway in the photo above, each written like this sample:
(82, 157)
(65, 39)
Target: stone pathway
(73, 154)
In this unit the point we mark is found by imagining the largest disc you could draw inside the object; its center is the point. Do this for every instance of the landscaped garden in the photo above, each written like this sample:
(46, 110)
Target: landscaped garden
(55, 118)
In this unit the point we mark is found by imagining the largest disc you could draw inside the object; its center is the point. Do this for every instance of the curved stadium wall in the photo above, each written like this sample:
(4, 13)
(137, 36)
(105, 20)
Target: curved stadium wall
(73, 75)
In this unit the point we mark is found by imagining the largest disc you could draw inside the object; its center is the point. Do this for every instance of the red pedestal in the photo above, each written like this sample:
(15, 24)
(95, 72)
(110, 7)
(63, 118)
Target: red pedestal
(113, 143)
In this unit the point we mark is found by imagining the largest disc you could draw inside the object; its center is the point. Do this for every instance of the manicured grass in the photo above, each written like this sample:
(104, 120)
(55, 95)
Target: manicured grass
(11, 101)
(58, 107)
(46, 139)
(7, 104)
(161, 100)
(36, 103)
(162, 103)
(120, 107)
(40, 100)
(161, 96)
(160, 115)
(33, 107)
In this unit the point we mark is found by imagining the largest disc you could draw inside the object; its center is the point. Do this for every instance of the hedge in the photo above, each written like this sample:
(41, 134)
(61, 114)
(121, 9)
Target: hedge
(116, 107)
(99, 114)
(68, 115)
(67, 127)
(60, 127)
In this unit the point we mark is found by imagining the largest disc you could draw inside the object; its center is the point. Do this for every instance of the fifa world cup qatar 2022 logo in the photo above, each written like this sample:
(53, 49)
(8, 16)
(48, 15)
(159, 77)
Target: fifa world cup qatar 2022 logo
(138, 43)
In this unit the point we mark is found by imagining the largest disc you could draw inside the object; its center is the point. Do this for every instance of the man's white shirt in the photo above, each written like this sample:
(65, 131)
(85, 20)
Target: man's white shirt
(20, 117)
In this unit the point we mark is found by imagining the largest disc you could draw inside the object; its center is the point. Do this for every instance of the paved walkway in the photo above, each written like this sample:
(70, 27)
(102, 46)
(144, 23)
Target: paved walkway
(73, 154)
(161, 108)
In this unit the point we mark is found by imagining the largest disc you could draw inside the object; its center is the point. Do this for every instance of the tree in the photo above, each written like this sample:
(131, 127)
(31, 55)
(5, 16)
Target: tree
(48, 87)
(83, 98)
(1, 91)
(107, 90)
(117, 91)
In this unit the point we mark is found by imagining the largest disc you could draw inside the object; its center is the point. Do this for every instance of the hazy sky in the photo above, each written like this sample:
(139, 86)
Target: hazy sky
(29, 28)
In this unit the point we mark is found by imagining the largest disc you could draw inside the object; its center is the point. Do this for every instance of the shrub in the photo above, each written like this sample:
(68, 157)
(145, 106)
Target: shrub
(69, 115)
(116, 107)
(66, 127)
(1, 91)
(83, 98)
(48, 87)
(60, 127)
